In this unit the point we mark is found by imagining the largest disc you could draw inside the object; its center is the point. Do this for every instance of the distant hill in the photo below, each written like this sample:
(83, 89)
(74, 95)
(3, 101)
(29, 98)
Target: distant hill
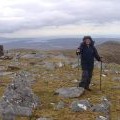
(110, 50)
(48, 43)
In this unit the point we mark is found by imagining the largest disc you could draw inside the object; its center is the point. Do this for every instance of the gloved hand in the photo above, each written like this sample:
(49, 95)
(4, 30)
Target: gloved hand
(101, 59)
(78, 52)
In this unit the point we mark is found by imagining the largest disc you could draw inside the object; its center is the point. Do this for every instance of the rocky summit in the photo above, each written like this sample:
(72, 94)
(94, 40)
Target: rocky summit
(43, 85)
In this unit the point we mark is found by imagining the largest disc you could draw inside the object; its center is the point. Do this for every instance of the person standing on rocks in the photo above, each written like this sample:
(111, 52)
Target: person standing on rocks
(87, 52)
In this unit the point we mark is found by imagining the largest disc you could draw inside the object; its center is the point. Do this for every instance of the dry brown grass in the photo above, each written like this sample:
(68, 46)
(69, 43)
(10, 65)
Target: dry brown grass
(63, 77)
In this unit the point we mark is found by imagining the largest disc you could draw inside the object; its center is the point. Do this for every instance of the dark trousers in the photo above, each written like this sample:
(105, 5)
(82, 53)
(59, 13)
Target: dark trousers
(86, 78)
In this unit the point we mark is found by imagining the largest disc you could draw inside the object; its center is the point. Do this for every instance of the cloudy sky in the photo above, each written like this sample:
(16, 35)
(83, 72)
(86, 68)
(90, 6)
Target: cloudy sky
(36, 18)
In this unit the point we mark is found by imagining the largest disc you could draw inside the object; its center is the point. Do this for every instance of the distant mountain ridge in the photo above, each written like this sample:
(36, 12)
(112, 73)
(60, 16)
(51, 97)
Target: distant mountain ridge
(48, 43)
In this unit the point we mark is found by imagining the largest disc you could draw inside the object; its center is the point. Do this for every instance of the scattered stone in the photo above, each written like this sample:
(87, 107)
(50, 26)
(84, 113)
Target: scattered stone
(80, 105)
(103, 75)
(117, 72)
(60, 105)
(59, 65)
(102, 118)
(61, 57)
(92, 84)
(116, 79)
(6, 73)
(34, 56)
(49, 66)
(6, 57)
(103, 107)
(75, 66)
(75, 81)
(15, 110)
(116, 87)
(2, 68)
(70, 92)
(106, 71)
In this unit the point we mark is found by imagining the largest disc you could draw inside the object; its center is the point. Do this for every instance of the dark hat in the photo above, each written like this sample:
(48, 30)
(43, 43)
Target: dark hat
(87, 37)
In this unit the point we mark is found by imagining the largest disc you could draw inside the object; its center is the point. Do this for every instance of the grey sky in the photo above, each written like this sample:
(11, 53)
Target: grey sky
(18, 17)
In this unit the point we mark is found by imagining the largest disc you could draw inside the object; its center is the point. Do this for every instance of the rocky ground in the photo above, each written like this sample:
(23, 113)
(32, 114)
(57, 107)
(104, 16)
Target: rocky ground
(43, 85)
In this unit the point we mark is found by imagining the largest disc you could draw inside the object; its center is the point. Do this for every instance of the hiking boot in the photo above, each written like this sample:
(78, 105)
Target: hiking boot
(88, 89)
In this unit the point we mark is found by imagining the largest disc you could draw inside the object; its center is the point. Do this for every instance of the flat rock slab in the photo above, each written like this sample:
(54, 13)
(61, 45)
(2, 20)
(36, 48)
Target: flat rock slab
(70, 92)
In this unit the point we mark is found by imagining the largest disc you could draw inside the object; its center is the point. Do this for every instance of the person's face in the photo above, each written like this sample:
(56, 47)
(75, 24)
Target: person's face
(88, 41)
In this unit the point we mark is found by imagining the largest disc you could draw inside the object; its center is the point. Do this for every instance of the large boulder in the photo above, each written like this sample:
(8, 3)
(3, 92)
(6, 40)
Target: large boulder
(70, 92)
(18, 98)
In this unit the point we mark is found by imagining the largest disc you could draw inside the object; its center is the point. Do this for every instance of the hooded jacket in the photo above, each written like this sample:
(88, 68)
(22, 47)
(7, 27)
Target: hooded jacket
(87, 55)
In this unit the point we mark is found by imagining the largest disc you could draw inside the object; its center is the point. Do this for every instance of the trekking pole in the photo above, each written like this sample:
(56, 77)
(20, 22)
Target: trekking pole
(101, 76)
(78, 61)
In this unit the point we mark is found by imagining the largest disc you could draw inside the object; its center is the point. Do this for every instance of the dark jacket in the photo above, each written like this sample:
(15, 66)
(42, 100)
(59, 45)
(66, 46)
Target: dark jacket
(87, 56)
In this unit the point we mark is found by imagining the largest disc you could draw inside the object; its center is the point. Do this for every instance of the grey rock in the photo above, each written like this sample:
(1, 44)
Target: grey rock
(59, 65)
(6, 73)
(115, 87)
(80, 105)
(17, 111)
(7, 117)
(61, 57)
(49, 66)
(75, 65)
(103, 107)
(75, 81)
(70, 92)
(34, 56)
(102, 118)
(60, 105)
(2, 68)
(18, 98)
(116, 79)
